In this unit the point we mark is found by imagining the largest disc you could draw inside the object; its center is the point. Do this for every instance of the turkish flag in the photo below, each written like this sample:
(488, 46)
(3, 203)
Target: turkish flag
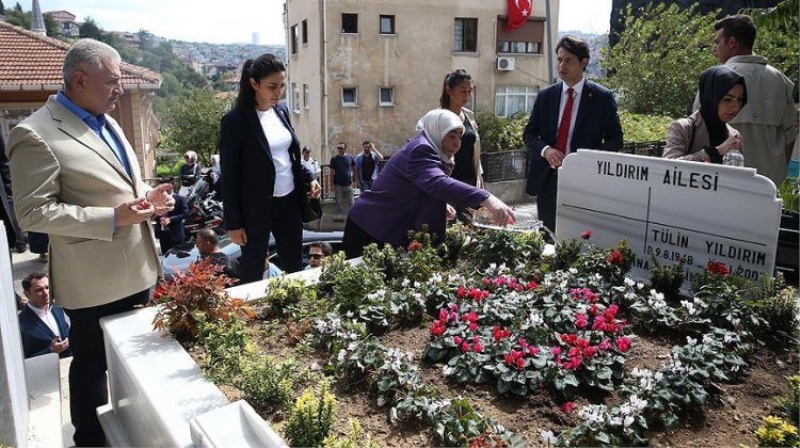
(518, 13)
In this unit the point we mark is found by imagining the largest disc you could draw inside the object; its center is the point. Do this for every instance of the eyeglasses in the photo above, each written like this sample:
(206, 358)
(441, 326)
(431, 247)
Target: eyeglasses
(318, 256)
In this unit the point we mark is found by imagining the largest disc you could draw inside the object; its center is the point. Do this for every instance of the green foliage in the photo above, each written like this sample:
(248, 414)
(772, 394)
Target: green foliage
(644, 128)
(667, 279)
(172, 171)
(267, 382)
(311, 417)
(777, 432)
(285, 293)
(790, 405)
(350, 284)
(355, 438)
(781, 45)
(779, 314)
(193, 123)
(788, 192)
(496, 247)
(501, 133)
(196, 295)
(655, 68)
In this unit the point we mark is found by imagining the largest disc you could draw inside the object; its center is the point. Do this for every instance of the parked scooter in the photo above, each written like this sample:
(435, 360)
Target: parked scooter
(205, 209)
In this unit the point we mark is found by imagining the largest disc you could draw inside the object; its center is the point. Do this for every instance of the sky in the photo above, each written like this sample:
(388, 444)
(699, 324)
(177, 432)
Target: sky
(234, 21)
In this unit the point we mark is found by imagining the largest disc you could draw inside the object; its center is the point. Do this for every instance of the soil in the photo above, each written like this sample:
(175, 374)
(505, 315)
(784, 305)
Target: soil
(730, 421)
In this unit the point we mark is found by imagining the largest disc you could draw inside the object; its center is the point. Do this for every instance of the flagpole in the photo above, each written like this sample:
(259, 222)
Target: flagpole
(549, 42)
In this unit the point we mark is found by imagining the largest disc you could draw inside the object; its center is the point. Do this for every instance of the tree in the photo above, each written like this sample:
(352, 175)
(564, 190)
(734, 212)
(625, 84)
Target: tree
(655, 68)
(2, 8)
(193, 123)
(90, 29)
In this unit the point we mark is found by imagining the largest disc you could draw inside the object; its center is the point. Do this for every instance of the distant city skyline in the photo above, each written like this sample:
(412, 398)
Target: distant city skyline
(236, 21)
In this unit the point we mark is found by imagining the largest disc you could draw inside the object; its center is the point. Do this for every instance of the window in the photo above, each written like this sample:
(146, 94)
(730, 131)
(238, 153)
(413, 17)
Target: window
(386, 96)
(527, 39)
(510, 100)
(306, 98)
(295, 98)
(304, 27)
(387, 24)
(350, 23)
(349, 97)
(466, 35)
(294, 36)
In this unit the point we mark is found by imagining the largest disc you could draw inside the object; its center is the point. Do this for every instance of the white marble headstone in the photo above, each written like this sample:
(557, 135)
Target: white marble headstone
(13, 388)
(671, 209)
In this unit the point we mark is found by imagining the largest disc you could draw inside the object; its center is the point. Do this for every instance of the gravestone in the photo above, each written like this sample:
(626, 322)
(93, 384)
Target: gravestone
(671, 209)
(13, 389)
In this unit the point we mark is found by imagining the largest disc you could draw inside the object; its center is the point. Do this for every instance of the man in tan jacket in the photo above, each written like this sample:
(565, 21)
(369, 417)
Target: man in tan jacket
(77, 179)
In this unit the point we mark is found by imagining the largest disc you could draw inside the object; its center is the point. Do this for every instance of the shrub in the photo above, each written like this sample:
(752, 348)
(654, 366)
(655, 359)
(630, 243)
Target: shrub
(355, 438)
(777, 432)
(311, 417)
(788, 191)
(501, 133)
(667, 279)
(644, 128)
(496, 247)
(195, 295)
(779, 313)
(790, 405)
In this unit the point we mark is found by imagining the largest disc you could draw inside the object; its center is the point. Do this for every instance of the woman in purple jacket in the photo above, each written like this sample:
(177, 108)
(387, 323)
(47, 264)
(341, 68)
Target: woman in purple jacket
(415, 188)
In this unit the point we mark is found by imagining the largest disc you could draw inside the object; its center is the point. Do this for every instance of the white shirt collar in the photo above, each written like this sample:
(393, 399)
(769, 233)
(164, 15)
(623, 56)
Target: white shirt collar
(578, 87)
(40, 312)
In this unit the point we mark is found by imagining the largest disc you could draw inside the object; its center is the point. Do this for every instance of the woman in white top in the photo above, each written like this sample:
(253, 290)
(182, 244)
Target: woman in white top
(264, 185)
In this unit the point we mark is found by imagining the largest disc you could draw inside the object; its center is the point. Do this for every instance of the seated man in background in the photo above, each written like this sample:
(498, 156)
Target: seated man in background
(207, 242)
(270, 270)
(43, 325)
(316, 252)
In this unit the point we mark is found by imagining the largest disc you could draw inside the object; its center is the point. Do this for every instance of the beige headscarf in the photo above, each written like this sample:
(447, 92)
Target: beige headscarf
(435, 125)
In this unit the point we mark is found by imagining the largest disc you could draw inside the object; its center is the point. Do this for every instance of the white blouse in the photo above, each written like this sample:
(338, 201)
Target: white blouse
(279, 139)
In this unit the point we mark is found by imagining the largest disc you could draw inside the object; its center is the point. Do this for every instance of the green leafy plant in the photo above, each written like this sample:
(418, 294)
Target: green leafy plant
(777, 432)
(195, 295)
(310, 419)
(355, 438)
(788, 191)
(496, 247)
(790, 405)
(667, 279)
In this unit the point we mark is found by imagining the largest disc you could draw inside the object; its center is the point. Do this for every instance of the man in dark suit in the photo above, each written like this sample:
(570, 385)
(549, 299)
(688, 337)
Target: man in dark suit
(170, 229)
(43, 325)
(569, 115)
(13, 234)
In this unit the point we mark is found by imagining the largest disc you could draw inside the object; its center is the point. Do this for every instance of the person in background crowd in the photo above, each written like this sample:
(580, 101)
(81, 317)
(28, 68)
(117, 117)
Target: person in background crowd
(13, 234)
(170, 229)
(270, 270)
(316, 252)
(43, 324)
(309, 162)
(263, 181)
(216, 176)
(456, 94)
(342, 165)
(189, 172)
(207, 243)
(704, 136)
(38, 244)
(768, 122)
(415, 188)
(571, 114)
(77, 179)
(367, 166)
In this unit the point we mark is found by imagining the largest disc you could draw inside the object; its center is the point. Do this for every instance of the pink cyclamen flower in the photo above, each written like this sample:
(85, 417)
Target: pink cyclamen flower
(586, 234)
(623, 344)
(568, 406)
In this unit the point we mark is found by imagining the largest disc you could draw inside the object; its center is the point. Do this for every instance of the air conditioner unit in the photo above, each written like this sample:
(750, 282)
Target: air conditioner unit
(505, 64)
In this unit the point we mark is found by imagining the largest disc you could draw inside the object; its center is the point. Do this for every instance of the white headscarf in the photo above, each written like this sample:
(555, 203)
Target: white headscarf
(435, 125)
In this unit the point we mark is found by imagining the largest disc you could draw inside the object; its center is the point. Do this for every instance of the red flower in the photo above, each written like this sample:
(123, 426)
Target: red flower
(616, 258)
(461, 292)
(581, 321)
(520, 364)
(465, 347)
(438, 327)
(500, 333)
(415, 245)
(716, 267)
(623, 344)
(158, 292)
(478, 347)
(568, 406)
(458, 340)
(586, 234)
(531, 285)
(473, 326)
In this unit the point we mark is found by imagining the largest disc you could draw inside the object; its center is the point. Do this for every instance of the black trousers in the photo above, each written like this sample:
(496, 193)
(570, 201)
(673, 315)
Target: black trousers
(355, 239)
(546, 202)
(286, 224)
(88, 388)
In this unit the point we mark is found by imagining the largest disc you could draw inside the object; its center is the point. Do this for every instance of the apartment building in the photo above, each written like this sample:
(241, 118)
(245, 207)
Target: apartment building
(367, 70)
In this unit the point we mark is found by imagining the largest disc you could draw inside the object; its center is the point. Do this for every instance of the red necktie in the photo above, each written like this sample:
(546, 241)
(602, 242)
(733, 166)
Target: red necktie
(563, 128)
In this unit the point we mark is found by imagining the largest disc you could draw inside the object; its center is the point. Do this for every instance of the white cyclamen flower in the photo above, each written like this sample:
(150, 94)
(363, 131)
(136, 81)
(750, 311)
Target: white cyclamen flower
(549, 437)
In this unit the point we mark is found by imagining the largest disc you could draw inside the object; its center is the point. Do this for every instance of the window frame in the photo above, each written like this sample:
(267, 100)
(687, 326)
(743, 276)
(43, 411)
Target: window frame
(295, 98)
(390, 103)
(354, 103)
(349, 15)
(295, 40)
(304, 32)
(306, 97)
(392, 23)
(473, 35)
(530, 98)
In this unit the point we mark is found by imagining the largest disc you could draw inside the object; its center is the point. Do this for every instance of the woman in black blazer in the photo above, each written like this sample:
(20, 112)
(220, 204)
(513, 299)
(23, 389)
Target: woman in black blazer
(265, 186)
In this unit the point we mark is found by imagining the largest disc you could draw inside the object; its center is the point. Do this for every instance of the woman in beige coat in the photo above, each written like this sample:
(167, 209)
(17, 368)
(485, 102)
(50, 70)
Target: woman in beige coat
(705, 135)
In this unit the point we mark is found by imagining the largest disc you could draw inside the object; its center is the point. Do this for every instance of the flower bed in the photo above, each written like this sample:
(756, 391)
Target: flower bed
(487, 342)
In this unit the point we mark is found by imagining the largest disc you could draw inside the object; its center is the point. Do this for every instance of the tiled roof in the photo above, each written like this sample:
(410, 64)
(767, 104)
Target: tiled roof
(29, 61)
